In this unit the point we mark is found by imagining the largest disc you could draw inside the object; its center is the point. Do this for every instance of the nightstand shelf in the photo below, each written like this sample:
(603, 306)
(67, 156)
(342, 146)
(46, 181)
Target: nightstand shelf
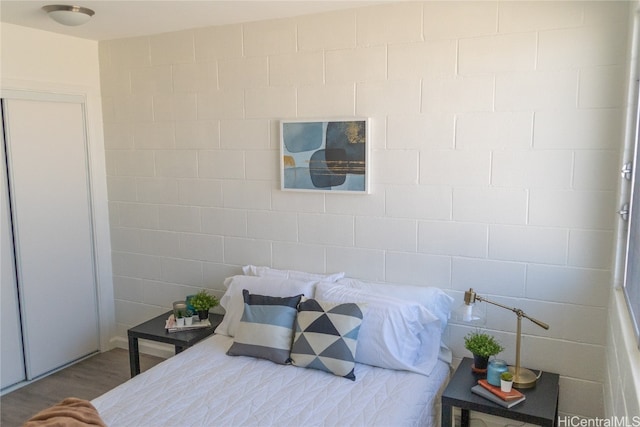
(540, 406)
(154, 330)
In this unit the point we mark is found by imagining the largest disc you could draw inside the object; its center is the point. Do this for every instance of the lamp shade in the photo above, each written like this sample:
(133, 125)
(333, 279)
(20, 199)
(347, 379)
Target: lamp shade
(69, 15)
(470, 313)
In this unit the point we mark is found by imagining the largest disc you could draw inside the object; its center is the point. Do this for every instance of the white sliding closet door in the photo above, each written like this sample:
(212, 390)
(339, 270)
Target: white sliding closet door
(48, 176)
(12, 359)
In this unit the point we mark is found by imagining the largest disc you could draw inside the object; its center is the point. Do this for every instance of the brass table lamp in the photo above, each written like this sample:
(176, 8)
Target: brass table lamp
(522, 377)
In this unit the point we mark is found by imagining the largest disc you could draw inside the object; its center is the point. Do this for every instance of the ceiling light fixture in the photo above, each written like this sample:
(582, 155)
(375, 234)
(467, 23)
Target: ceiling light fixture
(69, 15)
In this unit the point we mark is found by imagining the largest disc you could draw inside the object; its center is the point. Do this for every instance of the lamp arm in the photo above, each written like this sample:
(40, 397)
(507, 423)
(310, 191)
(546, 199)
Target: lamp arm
(536, 321)
(517, 311)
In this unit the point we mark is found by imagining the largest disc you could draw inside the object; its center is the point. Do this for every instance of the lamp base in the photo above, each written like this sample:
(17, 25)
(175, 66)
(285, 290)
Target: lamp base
(525, 379)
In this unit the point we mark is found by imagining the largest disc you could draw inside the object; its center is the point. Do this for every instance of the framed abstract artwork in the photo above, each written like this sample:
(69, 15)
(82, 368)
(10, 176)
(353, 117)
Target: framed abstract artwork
(325, 155)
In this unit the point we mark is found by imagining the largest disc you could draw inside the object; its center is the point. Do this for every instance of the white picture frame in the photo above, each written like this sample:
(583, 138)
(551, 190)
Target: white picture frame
(325, 155)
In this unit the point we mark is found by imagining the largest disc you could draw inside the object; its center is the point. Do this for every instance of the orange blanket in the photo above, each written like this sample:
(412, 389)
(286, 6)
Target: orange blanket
(71, 412)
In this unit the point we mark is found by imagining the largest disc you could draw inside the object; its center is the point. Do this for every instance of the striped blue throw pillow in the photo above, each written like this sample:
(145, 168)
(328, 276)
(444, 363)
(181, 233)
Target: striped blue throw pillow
(266, 327)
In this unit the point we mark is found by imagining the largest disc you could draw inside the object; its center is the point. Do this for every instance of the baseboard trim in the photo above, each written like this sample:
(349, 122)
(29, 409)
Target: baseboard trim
(147, 347)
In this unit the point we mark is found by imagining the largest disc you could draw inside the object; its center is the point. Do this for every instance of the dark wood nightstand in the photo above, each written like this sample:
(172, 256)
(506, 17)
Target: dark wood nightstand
(540, 406)
(154, 330)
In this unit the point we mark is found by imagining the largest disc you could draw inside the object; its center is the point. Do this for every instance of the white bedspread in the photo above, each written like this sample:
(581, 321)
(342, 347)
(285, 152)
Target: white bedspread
(204, 387)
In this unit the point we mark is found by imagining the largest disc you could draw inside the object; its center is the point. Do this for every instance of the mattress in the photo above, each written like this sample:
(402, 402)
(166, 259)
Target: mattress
(202, 386)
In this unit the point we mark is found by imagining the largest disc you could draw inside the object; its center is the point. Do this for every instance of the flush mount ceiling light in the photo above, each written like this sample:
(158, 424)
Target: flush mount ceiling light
(69, 15)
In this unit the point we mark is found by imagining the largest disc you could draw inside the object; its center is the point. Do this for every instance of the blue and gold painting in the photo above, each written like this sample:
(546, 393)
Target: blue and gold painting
(325, 155)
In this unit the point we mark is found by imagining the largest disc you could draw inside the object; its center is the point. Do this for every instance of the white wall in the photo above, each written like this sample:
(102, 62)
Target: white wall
(496, 132)
(47, 62)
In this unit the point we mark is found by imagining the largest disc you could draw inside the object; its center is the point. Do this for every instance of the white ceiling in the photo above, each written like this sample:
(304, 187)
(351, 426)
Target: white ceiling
(117, 18)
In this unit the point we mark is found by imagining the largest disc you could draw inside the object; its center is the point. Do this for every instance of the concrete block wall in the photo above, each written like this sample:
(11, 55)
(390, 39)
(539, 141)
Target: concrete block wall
(495, 136)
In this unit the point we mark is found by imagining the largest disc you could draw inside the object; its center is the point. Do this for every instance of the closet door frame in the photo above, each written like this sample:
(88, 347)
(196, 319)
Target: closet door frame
(28, 95)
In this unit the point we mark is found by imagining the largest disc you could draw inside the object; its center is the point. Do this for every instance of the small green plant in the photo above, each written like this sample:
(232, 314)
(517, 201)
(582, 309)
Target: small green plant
(203, 300)
(506, 376)
(482, 344)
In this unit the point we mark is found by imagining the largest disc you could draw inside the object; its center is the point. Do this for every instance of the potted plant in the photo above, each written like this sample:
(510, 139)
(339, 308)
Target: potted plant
(188, 318)
(482, 346)
(506, 381)
(202, 302)
(179, 318)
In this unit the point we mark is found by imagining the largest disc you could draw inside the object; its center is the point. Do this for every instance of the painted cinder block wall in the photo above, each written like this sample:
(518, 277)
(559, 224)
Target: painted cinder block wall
(496, 130)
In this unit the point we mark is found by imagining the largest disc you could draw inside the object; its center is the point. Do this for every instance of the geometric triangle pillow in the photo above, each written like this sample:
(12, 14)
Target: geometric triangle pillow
(326, 335)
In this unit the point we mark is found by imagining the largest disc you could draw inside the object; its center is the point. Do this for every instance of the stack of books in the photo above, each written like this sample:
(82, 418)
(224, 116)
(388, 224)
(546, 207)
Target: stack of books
(494, 394)
(171, 325)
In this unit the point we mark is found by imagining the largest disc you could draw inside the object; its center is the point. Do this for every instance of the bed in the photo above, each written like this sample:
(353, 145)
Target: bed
(240, 376)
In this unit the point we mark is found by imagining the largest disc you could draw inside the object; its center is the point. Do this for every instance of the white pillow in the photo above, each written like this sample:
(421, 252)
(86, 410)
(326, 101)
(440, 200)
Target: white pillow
(434, 299)
(394, 334)
(233, 302)
(252, 270)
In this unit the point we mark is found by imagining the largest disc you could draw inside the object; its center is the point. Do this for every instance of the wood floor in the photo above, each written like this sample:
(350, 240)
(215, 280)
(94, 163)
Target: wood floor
(87, 379)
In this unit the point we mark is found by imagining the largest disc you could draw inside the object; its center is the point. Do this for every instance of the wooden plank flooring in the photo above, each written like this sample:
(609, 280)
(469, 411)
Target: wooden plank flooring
(87, 379)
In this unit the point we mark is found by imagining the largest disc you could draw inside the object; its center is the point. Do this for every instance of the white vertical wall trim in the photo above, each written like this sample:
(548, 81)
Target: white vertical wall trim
(622, 382)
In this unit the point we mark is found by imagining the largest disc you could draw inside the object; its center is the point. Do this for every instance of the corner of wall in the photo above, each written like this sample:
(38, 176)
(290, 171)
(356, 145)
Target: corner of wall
(622, 384)
(622, 358)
